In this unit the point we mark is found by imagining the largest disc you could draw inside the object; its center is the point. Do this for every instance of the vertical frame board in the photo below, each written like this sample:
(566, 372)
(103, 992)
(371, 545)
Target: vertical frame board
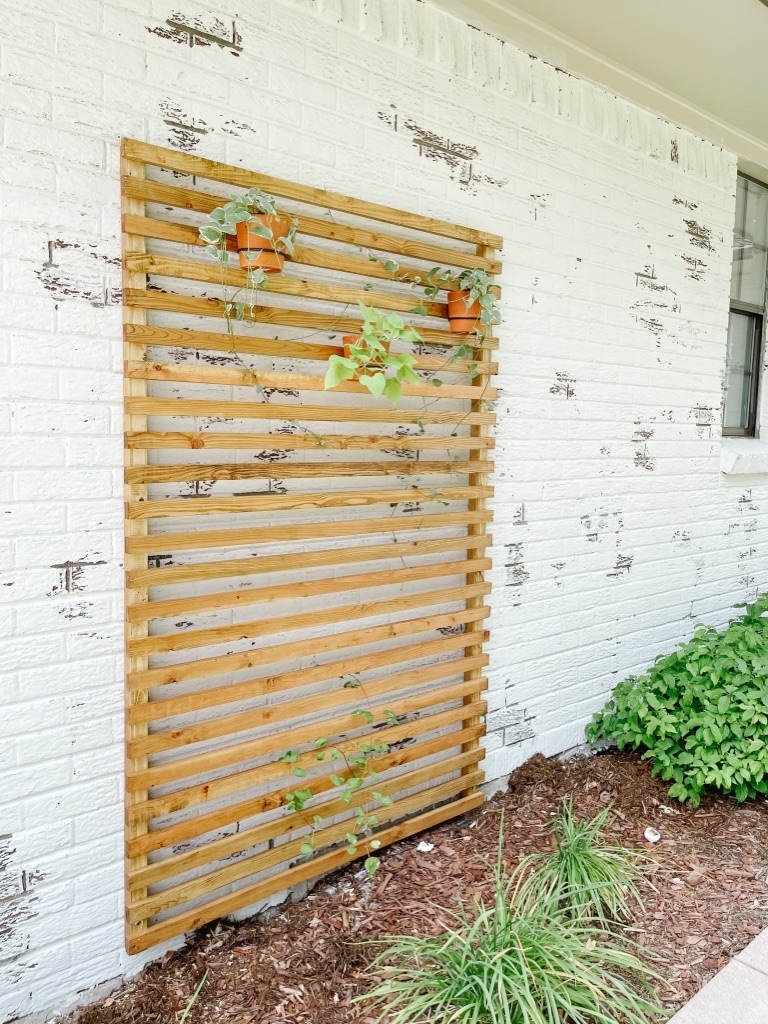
(305, 569)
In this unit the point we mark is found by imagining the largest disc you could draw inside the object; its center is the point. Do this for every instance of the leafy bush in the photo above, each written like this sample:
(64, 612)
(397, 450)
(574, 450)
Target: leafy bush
(515, 962)
(701, 713)
(586, 876)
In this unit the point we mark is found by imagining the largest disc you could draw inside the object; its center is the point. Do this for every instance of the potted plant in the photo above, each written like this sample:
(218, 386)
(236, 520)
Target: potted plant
(367, 357)
(472, 305)
(263, 235)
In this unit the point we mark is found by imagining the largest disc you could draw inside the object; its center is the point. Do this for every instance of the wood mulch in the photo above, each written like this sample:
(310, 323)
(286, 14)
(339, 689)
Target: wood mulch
(705, 897)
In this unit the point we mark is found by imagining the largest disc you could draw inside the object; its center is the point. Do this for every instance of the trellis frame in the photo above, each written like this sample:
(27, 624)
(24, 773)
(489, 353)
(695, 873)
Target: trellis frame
(427, 806)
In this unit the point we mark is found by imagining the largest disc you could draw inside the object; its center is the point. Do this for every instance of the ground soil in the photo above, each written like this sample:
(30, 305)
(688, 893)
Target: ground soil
(705, 897)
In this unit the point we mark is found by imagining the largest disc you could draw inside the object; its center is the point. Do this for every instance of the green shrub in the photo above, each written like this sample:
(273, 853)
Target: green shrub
(585, 875)
(701, 713)
(515, 962)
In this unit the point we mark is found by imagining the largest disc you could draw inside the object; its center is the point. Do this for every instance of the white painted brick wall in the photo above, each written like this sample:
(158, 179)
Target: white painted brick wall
(615, 530)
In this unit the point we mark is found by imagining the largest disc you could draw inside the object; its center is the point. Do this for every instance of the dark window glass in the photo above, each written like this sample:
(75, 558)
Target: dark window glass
(748, 301)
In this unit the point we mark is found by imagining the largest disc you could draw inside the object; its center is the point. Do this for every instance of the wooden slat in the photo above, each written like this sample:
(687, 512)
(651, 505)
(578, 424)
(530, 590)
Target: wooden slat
(477, 503)
(224, 568)
(244, 750)
(193, 305)
(280, 502)
(313, 868)
(279, 284)
(215, 341)
(200, 669)
(242, 178)
(302, 442)
(284, 683)
(245, 536)
(295, 591)
(313, 413)
(214, 635)
(293, 381)
(131, 169)
(234, 843)
(183, 892)
(186, 234)
(297, 470)
(186, 828)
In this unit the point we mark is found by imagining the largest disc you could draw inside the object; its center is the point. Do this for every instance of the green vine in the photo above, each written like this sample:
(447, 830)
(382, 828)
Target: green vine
(346, 784)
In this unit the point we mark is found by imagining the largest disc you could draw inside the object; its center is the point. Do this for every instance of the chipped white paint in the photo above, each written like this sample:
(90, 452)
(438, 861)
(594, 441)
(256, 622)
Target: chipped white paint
(615, 529)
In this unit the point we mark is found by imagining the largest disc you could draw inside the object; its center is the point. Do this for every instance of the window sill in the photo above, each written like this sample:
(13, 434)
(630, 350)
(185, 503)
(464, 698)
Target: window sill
(743, 456)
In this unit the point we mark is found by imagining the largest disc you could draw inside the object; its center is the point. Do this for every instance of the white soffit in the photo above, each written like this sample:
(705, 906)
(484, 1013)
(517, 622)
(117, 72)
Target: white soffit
(699, 63)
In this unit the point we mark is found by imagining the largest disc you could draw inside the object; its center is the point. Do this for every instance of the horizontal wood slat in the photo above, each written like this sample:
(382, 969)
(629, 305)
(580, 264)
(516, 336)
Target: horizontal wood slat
(389, 652)
(298, 470)
(302, 442)
(175, 302)
(278, 502)
(290, 381)
(315, 413)
(242, 344)
(222, 569)
(245, 536)
(294, 591)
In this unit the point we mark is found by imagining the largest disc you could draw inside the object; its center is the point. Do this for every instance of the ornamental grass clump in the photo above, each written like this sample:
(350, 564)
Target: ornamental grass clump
(517, 961)
(586, 875)
(700, 713)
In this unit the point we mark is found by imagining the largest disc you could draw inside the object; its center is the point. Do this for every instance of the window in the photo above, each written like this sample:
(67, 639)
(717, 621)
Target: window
(748, 309)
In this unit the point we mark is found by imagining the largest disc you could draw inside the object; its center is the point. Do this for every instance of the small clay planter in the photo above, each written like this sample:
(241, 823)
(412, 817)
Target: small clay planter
(349, 340)
(463, 315)
(261, 253)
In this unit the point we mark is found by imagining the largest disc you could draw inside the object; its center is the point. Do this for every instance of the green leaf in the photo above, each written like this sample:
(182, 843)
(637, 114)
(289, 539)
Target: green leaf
(210, 233)
(306, 849)
(374, 382)
(393, 390)
(371, 865)
(336, 373)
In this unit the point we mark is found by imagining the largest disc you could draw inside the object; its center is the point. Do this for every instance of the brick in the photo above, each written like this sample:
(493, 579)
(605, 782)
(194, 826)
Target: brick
(58, 77)
(45, 141)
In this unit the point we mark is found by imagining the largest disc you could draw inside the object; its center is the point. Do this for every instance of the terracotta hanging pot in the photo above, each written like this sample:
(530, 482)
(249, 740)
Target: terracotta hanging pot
(261, 253)
(463, 315)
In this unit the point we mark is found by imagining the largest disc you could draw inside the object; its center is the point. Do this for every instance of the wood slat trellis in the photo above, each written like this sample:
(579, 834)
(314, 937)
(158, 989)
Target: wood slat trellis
(243, 541)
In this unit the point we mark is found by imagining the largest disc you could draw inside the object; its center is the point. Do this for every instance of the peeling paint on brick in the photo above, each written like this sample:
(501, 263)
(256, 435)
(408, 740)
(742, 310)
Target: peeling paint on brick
(196, 32)
(459, 157)
(81, 270)
(565, 385)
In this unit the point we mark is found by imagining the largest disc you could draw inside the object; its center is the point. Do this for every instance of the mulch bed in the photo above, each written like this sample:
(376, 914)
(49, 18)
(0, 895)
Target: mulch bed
(705, 898)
